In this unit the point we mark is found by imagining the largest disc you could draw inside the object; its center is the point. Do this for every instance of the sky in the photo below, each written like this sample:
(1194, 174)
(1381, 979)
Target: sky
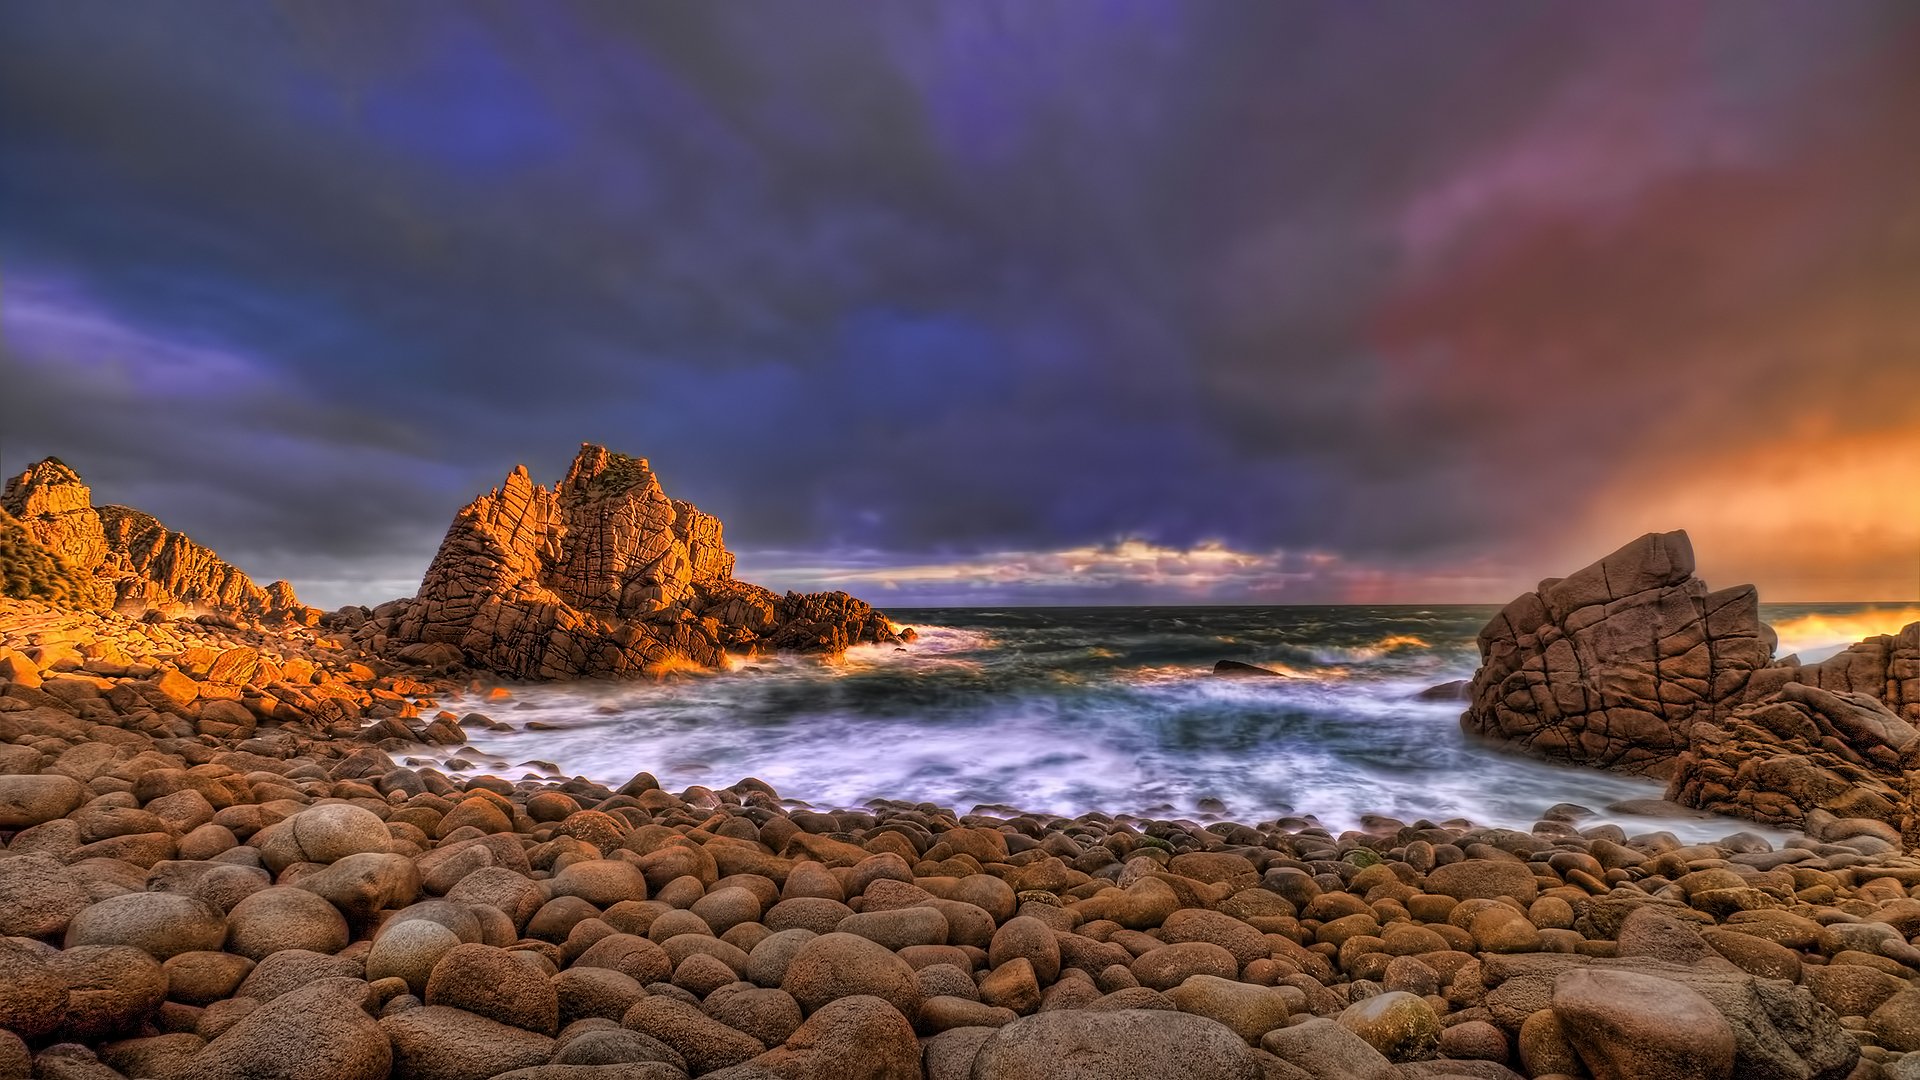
(986, 303)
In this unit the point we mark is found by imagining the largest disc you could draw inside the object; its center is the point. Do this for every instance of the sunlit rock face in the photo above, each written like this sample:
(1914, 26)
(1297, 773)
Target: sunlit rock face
(601, 576)
(1632, 664)
(129, 560)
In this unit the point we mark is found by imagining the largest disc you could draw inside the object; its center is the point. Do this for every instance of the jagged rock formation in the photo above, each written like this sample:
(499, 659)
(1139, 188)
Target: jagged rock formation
(1836, 738)
(1632, 664)
(1611, 665)
(601, 576)
(127, 561)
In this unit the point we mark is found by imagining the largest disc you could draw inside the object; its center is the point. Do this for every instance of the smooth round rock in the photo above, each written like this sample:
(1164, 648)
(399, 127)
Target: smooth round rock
(285, 917)
(1630, 1026)
(491, 982)
(1402, 1027)
(161, 924)
(409, 950)
(1128, 1044)
(842, 965)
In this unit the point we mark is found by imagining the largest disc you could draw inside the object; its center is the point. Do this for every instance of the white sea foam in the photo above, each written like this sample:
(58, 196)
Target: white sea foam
(1044, 719)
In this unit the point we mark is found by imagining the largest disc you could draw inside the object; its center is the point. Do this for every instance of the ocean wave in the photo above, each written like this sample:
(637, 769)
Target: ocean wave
(1063, 712)
(1374, 650)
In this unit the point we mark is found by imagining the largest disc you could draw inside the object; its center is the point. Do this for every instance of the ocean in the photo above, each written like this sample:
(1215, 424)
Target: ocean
(1115, 709)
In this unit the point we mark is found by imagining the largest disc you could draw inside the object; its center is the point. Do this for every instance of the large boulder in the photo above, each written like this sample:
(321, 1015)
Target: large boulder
(1629, 1026)
(1610, 665)
(604, 575)
(1632, 664)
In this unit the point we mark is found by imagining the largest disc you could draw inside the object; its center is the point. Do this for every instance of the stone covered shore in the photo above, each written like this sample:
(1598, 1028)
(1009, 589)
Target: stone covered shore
(218, 863)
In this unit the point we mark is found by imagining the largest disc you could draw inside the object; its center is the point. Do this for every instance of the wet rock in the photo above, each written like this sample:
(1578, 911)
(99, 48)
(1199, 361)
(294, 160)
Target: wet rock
(1399, 1025)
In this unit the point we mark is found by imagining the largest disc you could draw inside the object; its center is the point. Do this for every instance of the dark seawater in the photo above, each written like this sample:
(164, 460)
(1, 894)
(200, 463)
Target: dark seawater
(1066, 710)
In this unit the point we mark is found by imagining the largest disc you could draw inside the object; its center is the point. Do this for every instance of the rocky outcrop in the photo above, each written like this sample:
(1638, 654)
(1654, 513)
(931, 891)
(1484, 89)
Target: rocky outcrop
(1632, 664)
(128, 561)
(600, 576)
(1611, 665)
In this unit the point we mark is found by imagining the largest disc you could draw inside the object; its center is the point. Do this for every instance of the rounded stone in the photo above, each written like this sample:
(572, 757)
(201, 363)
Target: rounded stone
(502, 889)
(635, 957)
(1402, 1027)
(859, 1029)
(33, 997)
(37, 798)
(38, 897)
(725, 908)
(1485, 879)
(595, 992)
(1029, 937)
(701, 974)
(318, 1032)
(1198, 924)
(161, 924)
(842, 965)
(1629, 1026)
(409, 950)
(1126, 1044)
(898, 928)
(491, 982)
(336, 830)
(111, 989)
(285, 917)
(602, 882)
(202, 978)
(1170, 965)
(1474, 1040)
(707, 1044)
(434, 1042)
(766, 1014)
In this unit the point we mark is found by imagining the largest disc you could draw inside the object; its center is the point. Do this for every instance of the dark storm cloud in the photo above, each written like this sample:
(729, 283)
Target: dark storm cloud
(1402, 284)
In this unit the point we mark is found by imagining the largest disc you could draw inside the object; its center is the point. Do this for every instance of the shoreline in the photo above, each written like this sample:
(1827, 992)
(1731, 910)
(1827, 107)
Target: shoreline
(288, 898)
